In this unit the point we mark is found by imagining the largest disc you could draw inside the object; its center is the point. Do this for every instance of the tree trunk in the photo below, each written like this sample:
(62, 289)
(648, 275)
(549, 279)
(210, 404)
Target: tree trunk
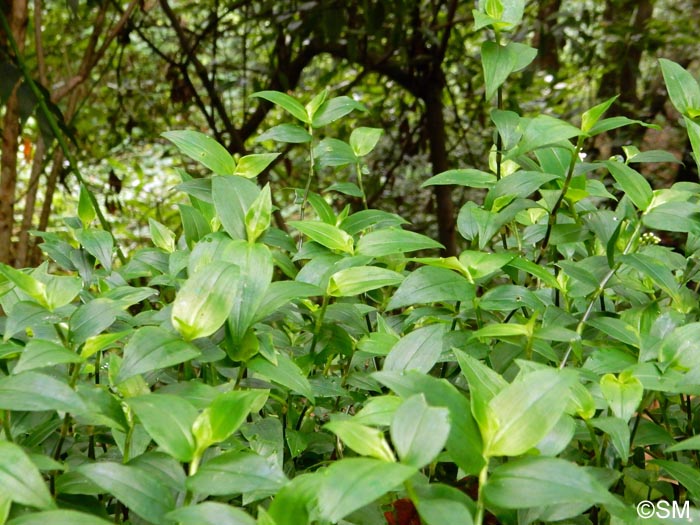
(435, 127)
(16, 14)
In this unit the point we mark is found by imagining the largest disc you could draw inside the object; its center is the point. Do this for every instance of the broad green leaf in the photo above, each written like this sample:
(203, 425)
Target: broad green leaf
(617, 329)
(346, 188)
(33, 391)
(499, 61)
(497, 330)
(237, 472)
(623, 394)
(103, 407)
(333, 152)
(292, 133)
(39, 353)
(687, 475)
(286, 373)
(538, 482)
(226, 413)
(541, 131)
(289, 104)
(25, 282)
(20, 479)
(153, 348)
(360, 279)
(324, 210)
(592, 116)
(58, 517)
(316, 102)
(683, 89)
(168, 420)
(203, 149)
(674, 217)
(366, 219)
(419, 432)
(86, 211)
(526, 410)
(440, 504)
(520, 184)
(364, 440)
(470, 178)
(99, 244)
(257, 218)
(333, 109)
(394, 240)
(325, 234)
(378, 410)
(250, 166)
(194, 224)
(657, 272)
(232, 197)
(280, 293)
(419, 350)
(692, 443)
(203, 303)
(248, 292)
(484, 384)
(632, 183)
(210, 513)
(363, 140)
(615, 123)
(656, 155)
(162, 236)
(429, 284)
(294, 503)
(619, 432)
(464, 442)
(141, 491)
(61, 290)
(350, 484)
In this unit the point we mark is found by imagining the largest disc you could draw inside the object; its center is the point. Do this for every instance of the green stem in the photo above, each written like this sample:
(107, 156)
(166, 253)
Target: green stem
(358, 169)
(53, 124)
(6, 425)
(480, 506)
(601, 288)
(318, 324)
(309, 178)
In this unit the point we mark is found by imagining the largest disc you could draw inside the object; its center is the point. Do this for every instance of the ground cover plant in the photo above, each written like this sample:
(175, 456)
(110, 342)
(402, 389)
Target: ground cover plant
(235, 373)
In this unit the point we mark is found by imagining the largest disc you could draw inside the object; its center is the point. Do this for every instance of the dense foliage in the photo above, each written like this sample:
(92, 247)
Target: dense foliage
(309, 365)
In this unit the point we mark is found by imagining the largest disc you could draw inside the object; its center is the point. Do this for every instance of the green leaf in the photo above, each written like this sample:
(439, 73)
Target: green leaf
(257, 218)
(162, 236)
(657, 272)
(419, 350)
(25, 282)
(251, 166)
(464, 442)
(193, 223)
(363, 140)
(346, 188)
(619, 431)
(430, 284)
(237, 472)
(364, 440)
(365, 219)
(99, 244)
(687, 475)
(203, 149)
(693, 130)
(291, 133)
(541, 131)
(168, 420)
(153, 348)
(333, 152)
(350, 484)
(58, 517)
(526, 410)
(539, 482)
(210, 513)
(500, 61)
(592, 116)
(623, 394)
(632, 183)
(226, 413)
(470, 178)
(280, 293)
(286, 373)
(333, 109)
(683, 89)
(33, 391)
(674, 217)
(394, 240)
(439, 504)
(617, 329)
(378, 410)
(92, 318)
(232, 198)
(289, 104)
(20, 479)
(86, 211)
(141, 491)
(294, 503)
(692, 443)
(520, 184)
(203, 303)
(39, 353)
(656, 155)
(325, 234)
(360, 279)
(614, 123)
(419, 432)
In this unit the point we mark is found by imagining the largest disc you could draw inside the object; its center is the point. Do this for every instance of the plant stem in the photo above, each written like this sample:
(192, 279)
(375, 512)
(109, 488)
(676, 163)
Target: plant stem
(480, 507)
(358, 169)
(318, 324)
(308, 179)
(6, 425)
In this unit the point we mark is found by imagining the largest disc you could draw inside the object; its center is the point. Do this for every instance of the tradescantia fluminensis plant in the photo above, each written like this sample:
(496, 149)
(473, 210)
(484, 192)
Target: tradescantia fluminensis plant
(341, 372)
